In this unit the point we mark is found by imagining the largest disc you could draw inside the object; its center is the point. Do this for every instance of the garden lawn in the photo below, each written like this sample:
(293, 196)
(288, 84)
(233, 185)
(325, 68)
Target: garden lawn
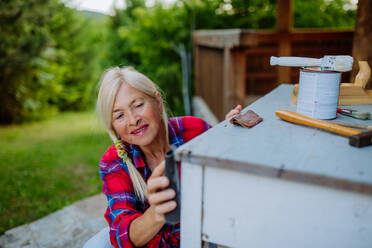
(48, 165)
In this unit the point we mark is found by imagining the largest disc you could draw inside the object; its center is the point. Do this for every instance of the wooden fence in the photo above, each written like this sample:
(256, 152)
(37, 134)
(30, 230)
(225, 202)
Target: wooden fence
(233, 66)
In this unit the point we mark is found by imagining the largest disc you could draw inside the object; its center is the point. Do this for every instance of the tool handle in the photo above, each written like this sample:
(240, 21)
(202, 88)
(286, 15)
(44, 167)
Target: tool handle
(294, 61)
(310, 122)
(345, 124)
(171, 171)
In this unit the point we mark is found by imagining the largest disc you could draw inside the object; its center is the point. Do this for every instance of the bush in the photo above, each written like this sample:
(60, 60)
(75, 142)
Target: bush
(48, 59)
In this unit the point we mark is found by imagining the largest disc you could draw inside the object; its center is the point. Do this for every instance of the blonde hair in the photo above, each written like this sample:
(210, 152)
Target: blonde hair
(110, 83)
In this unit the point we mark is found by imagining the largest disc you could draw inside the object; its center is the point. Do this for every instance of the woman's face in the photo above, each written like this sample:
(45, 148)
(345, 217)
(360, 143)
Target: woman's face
(136, 117)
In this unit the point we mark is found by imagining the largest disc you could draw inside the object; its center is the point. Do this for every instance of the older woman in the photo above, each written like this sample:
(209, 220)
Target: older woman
(132, 170)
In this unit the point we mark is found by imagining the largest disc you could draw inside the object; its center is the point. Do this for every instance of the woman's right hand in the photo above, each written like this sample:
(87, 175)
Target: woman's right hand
(159, 197)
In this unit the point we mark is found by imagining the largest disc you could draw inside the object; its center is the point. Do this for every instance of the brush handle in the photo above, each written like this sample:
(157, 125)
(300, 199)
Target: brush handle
(310, 122)
(294, 61)
(347, 112)
(354, 113)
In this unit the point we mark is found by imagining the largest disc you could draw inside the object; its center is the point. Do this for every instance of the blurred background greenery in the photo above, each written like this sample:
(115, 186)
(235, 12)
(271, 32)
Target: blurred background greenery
(51, 58)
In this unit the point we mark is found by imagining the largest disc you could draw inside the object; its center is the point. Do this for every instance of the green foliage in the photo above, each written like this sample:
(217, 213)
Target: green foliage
(255, 14)
(51, 56)
(47, 165)
(147, 38)
(321, 13)
(22, 41)
(74, 67)
(48, 59)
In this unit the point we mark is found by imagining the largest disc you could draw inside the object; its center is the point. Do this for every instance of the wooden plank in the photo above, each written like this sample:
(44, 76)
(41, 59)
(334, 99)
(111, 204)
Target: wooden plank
(210, 80)
(321, 35)
(237, 78)
(261, 75)
(210, 66)
(261, 50)
(362, 49)
(254, 211)
(284, 15)
(253, 38)
(284, 72)
(227, 91)
(304, 35)
(284, 21)
(276, 148)
(218, 38)
(191, 210)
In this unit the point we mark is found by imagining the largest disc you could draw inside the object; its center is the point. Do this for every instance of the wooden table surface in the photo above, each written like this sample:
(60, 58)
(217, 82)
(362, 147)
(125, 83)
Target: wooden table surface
(280, 149)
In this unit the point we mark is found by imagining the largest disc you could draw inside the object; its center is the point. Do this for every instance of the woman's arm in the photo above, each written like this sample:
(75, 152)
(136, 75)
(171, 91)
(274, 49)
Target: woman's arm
(145, 227)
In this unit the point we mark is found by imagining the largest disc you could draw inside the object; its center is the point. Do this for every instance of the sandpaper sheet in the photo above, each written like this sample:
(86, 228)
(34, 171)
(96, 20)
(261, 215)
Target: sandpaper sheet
(247, 119)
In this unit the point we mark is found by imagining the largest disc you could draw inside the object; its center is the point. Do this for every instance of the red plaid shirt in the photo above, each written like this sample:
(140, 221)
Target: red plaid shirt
(123, 207)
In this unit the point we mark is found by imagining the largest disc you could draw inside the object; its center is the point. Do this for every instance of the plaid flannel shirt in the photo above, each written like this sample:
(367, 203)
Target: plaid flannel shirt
(123, 206)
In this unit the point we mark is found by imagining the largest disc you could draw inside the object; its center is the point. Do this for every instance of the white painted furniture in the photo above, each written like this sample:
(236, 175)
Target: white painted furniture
(276, 185)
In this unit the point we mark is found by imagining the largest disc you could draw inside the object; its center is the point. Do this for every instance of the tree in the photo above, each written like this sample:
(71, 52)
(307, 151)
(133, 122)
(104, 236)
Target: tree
(148, 37)
(22, 41)
(324, 14)
(48, 59)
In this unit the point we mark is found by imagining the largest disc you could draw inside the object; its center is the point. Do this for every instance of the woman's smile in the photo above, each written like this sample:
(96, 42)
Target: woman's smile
(140, 131)
(137, 117)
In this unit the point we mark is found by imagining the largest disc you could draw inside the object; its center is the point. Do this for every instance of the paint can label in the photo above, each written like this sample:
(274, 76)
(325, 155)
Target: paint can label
(318, 93)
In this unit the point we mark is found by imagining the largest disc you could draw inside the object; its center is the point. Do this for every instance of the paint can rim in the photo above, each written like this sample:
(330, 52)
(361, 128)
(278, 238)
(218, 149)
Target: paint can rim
(316, 69)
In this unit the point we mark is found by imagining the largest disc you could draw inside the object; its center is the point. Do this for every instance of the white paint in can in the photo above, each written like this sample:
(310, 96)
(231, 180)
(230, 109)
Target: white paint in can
(318, 93)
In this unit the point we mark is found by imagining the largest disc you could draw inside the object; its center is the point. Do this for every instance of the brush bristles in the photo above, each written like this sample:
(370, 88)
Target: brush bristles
(338, 63)
(362, 115)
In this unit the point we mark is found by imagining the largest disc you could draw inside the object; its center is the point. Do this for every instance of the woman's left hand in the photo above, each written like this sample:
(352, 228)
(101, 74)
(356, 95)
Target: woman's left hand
(160, 197)
(234, 111)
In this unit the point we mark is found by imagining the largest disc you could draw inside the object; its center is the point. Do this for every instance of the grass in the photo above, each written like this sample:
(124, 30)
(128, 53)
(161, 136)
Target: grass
(47, 165)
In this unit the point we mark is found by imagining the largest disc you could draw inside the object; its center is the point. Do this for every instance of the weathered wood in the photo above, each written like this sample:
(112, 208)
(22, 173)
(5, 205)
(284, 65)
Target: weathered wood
(284, 23)
(257, 46)
(253, 211)
(279, 184)
(227, 84)
(362, 49)
(218, 38)
(209, 79)
(284, 15)
(276, 148)
(191, 217)
(284, 72)
(253, 38)
(237, 78)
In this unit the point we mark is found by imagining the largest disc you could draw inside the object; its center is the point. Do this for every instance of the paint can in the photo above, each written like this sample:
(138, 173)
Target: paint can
(318, 93)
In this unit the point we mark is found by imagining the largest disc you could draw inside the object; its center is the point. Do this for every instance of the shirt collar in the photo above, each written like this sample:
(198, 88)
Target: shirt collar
(136, 154)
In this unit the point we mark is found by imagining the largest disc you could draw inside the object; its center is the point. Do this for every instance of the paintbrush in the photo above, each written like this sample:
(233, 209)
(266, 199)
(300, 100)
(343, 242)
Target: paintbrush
(327, 63)
(346, 124)
(354, 113)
